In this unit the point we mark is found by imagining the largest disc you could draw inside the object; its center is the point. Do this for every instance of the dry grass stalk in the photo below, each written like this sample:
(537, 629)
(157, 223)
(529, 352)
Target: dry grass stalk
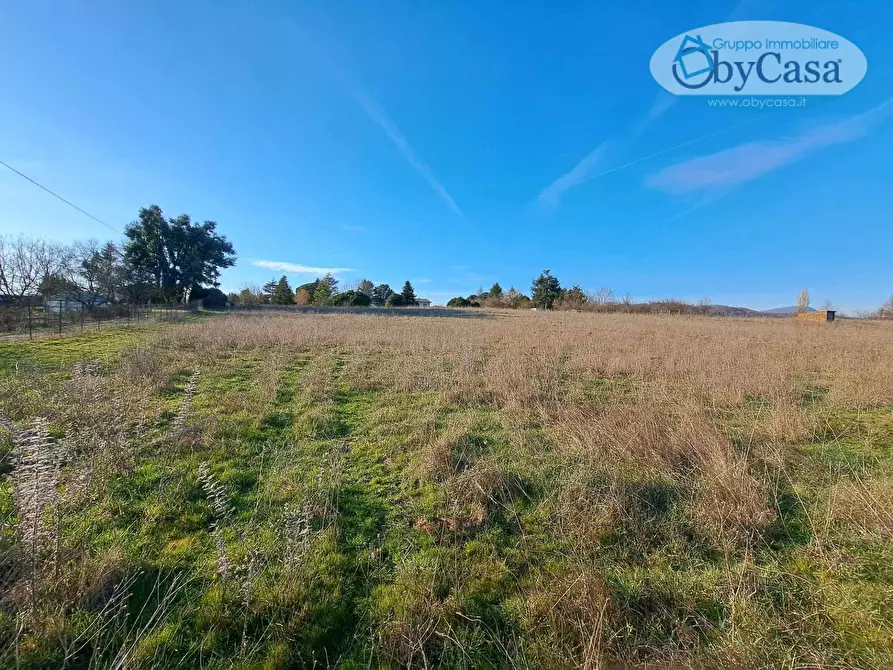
(223, 512)
(35, 480)
(179, 422)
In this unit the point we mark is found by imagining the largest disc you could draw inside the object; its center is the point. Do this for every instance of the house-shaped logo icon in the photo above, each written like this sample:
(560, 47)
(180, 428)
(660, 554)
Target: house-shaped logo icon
(693, 57)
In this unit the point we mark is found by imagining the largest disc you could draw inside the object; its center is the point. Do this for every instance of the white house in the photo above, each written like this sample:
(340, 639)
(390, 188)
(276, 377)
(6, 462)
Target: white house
(423, 302)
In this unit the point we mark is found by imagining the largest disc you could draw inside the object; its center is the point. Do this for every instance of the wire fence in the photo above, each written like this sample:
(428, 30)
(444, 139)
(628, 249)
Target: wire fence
(34, 322)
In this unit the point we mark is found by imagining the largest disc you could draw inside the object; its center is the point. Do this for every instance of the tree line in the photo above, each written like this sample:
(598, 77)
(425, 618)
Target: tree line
(173, 259)
(546, 292)
(160, 260)
(324, 292)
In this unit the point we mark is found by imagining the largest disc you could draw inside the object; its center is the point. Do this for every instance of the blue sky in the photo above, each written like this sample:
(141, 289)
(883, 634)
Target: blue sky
(453, 144)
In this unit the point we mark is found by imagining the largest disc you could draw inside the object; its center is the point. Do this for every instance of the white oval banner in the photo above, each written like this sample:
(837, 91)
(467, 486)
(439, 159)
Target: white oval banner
(758, 58)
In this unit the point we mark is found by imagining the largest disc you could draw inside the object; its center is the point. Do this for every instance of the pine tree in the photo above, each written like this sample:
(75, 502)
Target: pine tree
(574, 298)
(380, 295)
(545, 290)
(282, 294)
(326, 290)
(365, 287)
(408, 294)
(495, 290)
(267, 291)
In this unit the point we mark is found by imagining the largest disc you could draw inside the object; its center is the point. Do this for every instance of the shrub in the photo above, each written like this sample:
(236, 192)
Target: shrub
(395, 300)
(361, 300)
(343, 299)
(351, 299)
(302, 297)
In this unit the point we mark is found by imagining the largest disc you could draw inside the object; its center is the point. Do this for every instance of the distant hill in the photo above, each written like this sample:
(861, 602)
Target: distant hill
(728, 310)
(785, 310)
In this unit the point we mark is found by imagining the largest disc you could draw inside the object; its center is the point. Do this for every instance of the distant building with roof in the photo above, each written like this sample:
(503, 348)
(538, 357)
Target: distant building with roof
(72, 302)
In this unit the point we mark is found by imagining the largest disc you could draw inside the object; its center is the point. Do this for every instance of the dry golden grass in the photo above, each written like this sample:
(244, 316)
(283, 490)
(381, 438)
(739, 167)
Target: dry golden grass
(622, 401)
(522, 359)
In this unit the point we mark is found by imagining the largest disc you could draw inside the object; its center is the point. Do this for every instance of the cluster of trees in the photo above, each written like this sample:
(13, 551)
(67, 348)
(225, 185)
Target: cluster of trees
(160, 260)
(886, 310)
(324, 292)
(546, 292)
(175, 260)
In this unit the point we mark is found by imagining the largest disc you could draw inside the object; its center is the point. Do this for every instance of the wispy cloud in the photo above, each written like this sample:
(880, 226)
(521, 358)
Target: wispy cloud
(423, 280)
(579, 172)
(379, 116)
(744, 163)
(663, 102)
(297, 268)
(551, 192)
(353, 229)
(582, 171)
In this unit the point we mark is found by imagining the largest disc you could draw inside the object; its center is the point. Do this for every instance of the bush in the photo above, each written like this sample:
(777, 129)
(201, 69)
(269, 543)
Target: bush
(361, 300)
(343, 299)
(459, 302)
(351, 299)
(395, 300)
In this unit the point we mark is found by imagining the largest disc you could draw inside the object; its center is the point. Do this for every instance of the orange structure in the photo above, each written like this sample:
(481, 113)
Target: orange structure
(824, 315)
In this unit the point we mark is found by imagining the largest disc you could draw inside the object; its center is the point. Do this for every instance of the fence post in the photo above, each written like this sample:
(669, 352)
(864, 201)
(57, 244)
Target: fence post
(30, 330)
(60, 317)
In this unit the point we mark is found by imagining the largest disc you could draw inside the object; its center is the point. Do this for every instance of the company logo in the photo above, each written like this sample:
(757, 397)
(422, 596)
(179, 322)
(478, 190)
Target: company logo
(758, 58)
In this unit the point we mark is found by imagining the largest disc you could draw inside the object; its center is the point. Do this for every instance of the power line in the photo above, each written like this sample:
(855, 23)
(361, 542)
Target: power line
(56, 195)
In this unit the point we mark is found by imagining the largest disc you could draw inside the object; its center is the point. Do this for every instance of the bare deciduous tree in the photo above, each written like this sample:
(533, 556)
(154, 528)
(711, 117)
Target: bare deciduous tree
(604, 296)
(803, 301)
(704, 305)
(93, 273)
(25, 262)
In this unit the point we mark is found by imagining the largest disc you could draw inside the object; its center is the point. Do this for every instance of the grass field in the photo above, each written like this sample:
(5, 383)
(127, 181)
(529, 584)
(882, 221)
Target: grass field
(485, 490)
